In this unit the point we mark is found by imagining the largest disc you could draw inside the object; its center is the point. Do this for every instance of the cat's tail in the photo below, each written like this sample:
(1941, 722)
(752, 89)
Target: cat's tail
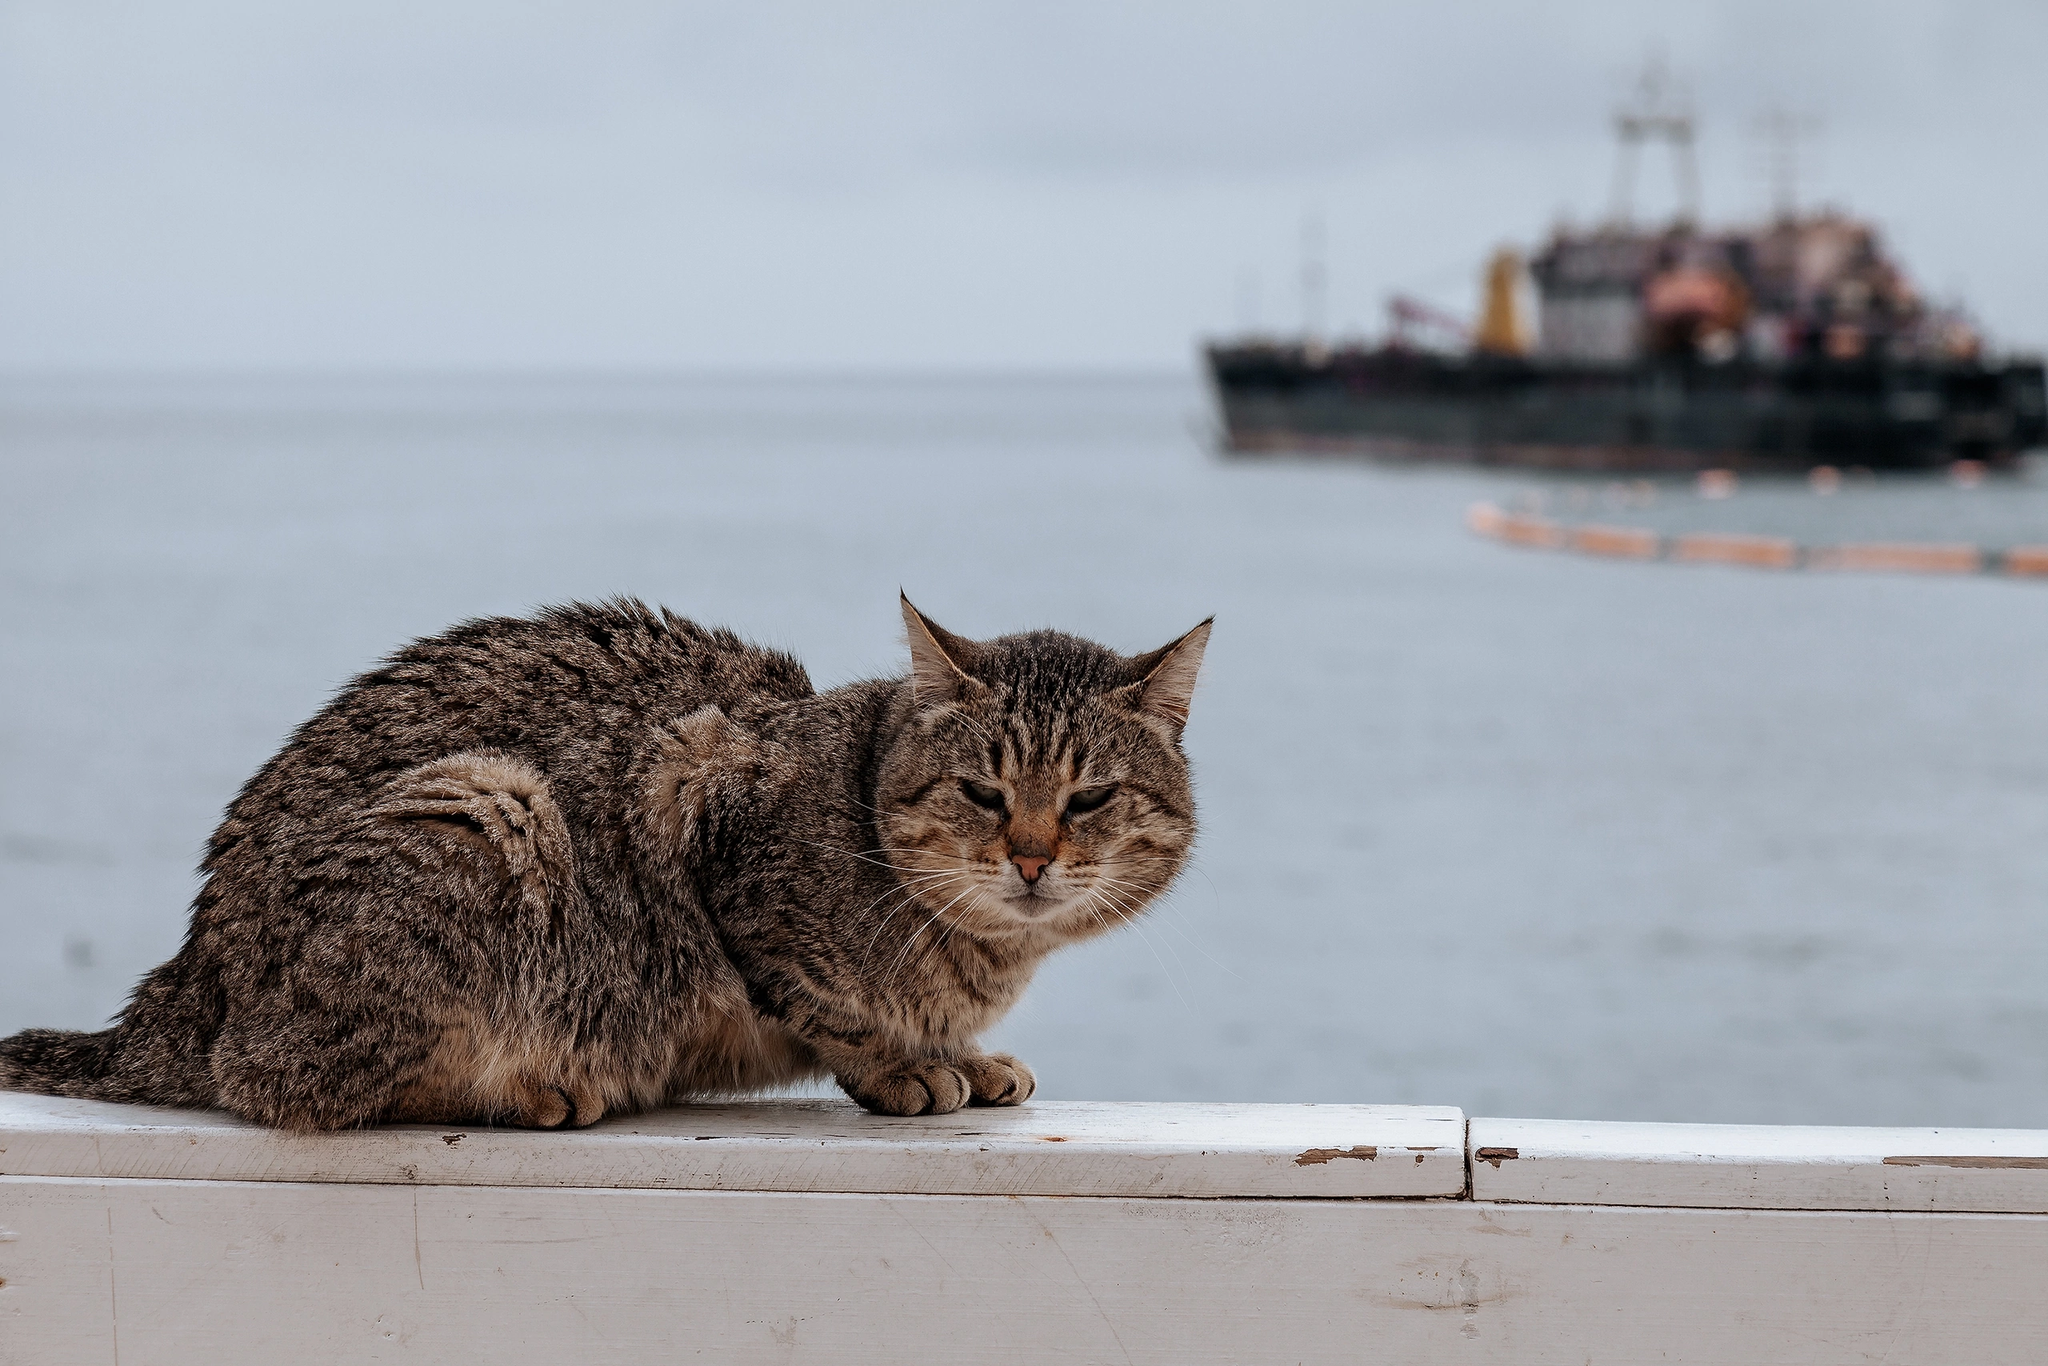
(58, 1062)
(156, 1055)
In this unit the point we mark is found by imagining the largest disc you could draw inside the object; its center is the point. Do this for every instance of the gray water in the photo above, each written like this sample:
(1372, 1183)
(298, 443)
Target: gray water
(1524, 833)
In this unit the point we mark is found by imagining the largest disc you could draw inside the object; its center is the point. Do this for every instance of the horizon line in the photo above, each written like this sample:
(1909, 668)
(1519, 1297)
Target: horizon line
(141, 373)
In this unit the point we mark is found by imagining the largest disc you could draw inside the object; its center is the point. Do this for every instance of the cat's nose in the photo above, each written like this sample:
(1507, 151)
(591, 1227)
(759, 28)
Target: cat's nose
(1030, 865)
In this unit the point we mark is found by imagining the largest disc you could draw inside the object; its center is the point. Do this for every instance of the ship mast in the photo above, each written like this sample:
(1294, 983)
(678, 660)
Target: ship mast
(1314, 276)
(1658, 112)
(1781, 131)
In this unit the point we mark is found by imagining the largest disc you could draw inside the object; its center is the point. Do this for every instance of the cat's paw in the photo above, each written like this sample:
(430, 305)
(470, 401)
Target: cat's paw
(922, 1088)
(546, 1106)
(998, 1079)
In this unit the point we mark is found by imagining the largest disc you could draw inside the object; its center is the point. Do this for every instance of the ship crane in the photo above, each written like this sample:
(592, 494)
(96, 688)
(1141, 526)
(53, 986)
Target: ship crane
(1411, 323)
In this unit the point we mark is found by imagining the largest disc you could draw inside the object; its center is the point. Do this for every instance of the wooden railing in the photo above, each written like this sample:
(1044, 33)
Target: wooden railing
(806, 1231)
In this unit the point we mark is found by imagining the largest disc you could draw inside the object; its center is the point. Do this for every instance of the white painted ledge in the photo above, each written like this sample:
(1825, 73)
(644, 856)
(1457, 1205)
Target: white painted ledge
(1140, 1150)
(1758, 1166)
(1047, 1148)
(805, 1231)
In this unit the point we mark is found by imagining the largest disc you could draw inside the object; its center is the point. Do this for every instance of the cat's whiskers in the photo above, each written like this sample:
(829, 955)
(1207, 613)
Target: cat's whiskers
(916, 895)
(909, 884)
(903, 953)
(1166, 922)
(1139, 907)
(1172, 923)
(946, 934)
(1087, 903)
(866, 806)
(947, 862)
(910, 889)
(965, 867)
(1138, 894)
(1149, 888)
(864, 855)
(1130, 915)
(908, 943)
(912, 882)
(906, 849)
(1110, 897)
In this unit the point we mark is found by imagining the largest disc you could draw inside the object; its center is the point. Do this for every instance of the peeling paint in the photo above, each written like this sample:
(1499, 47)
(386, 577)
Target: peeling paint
(1316, 1157)
(1496, 1156)
(2025, 1164)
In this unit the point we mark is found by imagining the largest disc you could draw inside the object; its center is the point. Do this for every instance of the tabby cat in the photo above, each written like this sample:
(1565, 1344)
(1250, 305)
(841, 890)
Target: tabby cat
(538, 871)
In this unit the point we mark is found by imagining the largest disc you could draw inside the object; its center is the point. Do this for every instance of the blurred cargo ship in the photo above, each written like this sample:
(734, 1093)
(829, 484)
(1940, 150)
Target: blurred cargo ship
(1787, 346)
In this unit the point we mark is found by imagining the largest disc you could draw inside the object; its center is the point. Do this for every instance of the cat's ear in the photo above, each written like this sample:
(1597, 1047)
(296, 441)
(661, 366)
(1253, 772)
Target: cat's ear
(1166, 677)
(939, 660)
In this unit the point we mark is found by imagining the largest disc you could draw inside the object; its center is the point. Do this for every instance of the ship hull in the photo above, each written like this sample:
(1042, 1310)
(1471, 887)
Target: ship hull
(1629, 418)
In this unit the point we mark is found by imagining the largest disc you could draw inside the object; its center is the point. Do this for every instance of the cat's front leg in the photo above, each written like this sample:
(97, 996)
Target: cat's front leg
(871, 1065)
(887, 1073)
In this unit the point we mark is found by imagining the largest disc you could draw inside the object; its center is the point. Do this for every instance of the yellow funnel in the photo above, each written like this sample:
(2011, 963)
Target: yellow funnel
(1502, 330)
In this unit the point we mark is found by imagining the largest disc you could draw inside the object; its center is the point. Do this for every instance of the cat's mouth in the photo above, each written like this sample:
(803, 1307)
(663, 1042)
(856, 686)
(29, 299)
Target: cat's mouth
(1034, 899)
(1048, 905)
(1043, 900)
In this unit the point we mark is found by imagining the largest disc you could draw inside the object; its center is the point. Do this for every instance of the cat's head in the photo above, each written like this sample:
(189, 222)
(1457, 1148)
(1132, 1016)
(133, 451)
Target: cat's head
(1039, 789)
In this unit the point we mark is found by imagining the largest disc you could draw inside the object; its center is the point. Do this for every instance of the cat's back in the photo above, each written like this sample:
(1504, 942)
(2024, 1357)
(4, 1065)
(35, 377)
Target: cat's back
(571, 691)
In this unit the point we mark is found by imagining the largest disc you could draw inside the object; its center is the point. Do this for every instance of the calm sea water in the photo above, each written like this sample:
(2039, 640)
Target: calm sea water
(1528, 834)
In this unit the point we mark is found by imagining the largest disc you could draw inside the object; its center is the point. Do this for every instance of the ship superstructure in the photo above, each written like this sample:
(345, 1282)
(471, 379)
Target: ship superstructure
(1819, 285)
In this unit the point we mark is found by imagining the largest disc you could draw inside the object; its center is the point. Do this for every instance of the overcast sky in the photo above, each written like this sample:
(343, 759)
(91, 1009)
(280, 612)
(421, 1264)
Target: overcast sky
(845, 186)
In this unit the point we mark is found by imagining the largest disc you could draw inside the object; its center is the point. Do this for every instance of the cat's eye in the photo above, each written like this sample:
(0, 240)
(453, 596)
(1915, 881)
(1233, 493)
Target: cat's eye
(1088, 799)
(981, 794)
